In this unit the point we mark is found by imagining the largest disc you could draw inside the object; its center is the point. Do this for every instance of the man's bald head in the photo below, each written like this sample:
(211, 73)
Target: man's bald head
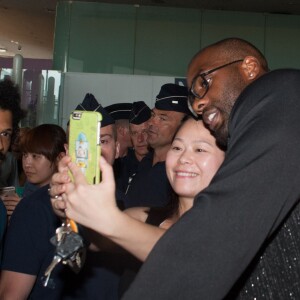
(231, 49)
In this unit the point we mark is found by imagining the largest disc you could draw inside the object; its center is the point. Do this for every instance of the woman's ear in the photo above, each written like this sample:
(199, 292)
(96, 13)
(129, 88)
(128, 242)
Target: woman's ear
(66, 146)
(59, 157)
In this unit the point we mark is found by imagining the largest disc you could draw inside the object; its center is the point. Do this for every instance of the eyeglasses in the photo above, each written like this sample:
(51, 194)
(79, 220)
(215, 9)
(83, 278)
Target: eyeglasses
(200, 84)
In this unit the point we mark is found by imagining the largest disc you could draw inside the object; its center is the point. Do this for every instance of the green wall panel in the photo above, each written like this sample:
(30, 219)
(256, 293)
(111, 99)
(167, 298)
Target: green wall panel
(101, 38)
(283, 41)
(218, 25)
(166, 39)
(147, 40)
(62, 36)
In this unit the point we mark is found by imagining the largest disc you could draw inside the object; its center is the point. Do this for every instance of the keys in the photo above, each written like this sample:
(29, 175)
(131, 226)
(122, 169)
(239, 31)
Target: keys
(59, 233)
(69, 244)
(56, 260)
(69, 250)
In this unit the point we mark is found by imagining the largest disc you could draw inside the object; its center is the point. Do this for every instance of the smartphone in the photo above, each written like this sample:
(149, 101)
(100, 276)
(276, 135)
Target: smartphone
(8, 190)
(84, 143)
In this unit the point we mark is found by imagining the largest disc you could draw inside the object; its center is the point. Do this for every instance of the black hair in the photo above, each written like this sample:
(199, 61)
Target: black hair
(10, 100)
(47, 139)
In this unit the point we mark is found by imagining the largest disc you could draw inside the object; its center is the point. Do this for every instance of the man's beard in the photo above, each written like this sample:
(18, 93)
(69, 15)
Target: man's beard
(224, 106)
(228, 99)
(221, 134)
(2, 157)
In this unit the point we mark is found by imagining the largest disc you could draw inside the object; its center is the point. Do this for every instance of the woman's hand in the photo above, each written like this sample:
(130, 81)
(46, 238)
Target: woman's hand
(93, 206)
(10, 201)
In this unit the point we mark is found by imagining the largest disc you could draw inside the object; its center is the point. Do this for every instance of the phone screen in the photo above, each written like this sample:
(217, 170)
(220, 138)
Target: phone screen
(8, 190)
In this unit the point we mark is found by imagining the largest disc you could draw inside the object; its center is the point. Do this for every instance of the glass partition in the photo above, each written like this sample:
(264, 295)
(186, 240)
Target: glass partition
(40, 93)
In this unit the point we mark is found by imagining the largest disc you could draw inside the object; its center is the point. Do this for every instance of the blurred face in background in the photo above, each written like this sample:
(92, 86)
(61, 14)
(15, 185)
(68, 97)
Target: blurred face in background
(139, 135)
(37, 168)
(109, 145)
(162, 127)
(6, 130)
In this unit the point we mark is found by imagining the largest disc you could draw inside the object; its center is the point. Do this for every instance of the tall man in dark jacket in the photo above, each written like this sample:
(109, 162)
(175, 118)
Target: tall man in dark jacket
(241, 238)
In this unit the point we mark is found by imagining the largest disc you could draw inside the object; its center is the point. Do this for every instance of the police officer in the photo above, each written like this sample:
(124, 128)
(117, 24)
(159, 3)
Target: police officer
(150, 186)
(120, 113)
(138, 129)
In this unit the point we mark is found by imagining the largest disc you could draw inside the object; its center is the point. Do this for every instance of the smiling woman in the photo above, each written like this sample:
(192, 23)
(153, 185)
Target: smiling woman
(191, 163)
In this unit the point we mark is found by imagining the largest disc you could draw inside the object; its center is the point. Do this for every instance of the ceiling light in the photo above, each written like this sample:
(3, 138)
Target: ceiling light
(3, 50)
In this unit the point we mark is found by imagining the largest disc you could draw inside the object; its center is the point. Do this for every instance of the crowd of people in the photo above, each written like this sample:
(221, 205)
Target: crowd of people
(198, 199)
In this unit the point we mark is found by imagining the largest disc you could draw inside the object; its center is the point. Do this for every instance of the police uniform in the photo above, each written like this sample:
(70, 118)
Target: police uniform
(90, 103)
(150, 186)
(119, 111)
(128, 165)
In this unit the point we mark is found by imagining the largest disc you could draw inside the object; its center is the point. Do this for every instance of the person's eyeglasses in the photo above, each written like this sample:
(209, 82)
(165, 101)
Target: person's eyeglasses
(200, 84)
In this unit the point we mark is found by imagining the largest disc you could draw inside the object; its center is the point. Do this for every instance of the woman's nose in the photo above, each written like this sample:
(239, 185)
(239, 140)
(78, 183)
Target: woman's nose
(185, 158)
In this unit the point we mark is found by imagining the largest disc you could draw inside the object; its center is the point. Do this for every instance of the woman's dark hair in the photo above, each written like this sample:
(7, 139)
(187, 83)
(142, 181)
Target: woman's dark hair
(46, 139)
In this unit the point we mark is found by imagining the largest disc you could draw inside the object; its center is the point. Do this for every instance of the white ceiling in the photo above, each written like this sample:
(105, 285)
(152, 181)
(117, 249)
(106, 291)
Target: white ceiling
(27, 26)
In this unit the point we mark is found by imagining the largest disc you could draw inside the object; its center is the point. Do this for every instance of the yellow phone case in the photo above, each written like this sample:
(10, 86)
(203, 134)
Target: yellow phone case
(84, 143)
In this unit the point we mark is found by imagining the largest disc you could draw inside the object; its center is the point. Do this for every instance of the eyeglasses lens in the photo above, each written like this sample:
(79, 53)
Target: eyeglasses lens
(199, 86)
